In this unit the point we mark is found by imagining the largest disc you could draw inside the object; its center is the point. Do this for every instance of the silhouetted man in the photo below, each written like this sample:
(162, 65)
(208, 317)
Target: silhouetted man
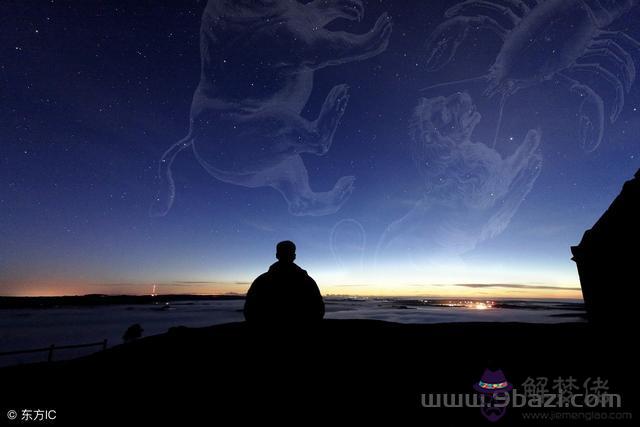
(285, 293)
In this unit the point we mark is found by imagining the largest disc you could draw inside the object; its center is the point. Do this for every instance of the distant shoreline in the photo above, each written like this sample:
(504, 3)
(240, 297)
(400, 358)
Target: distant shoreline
(102, 300)
(92, 300)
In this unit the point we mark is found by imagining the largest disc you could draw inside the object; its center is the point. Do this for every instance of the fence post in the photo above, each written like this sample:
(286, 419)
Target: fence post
(51, 352)
(104, 344)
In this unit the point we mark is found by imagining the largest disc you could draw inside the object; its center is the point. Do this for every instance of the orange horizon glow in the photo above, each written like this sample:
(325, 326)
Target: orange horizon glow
(473, 291)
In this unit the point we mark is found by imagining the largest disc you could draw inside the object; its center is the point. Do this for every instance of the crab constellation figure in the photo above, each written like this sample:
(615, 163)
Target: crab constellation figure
(258, 62)
(545, 40)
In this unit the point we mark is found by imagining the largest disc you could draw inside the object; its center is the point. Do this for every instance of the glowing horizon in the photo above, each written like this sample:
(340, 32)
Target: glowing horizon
(473, 290)
(390, 277)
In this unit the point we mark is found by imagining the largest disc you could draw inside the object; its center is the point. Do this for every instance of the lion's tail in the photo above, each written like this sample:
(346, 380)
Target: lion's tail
(163, 200)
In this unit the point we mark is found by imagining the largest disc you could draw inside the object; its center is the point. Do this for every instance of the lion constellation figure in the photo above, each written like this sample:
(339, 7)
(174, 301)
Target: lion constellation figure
(258, 59)
(470, 191)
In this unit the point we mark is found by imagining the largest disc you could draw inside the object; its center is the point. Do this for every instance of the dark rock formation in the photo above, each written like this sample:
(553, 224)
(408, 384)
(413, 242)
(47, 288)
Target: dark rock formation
(608, 259)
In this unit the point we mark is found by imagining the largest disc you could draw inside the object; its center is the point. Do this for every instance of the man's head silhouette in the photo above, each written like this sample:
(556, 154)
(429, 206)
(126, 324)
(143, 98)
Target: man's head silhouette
(286, 251)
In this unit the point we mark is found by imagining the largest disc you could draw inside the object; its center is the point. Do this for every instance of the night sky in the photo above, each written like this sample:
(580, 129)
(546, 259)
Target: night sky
(94, 93)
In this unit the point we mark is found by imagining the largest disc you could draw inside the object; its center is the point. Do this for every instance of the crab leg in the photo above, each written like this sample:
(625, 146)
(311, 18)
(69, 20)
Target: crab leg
(620, 35)
(611, 50)
(591, 114)
(612, 80)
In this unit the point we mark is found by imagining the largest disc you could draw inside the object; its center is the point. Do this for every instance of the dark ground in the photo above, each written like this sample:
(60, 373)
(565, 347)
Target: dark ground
(357, 369)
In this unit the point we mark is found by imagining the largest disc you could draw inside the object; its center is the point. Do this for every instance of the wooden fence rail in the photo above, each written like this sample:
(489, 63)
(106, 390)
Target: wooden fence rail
(54, 347)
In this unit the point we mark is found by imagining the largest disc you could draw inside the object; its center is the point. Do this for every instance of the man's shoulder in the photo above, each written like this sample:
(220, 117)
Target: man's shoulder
(305, 276)
(302, 273)
(278, 270)
(263, 278)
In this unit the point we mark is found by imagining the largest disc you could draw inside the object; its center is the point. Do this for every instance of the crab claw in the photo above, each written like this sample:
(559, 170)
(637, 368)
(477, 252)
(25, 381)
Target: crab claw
(444, 41)
(591, 116)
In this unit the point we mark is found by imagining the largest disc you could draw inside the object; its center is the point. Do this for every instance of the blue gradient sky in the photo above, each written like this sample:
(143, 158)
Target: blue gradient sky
(93, 95)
